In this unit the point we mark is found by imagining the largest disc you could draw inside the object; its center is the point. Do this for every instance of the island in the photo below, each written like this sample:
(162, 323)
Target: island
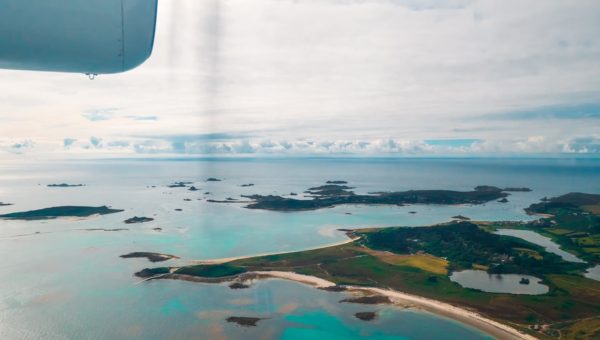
(414, 265)
(331, 195)
(522, 189)
(247, 185)
(366, 316)
(239, 285)
(2, 204)
(179, 185)
(137, 219)
(571, 220)
(65, 185)
(152, 257)
(227, 200)
(244, 320)
(105, 229)
(62, 211)
(213, 179)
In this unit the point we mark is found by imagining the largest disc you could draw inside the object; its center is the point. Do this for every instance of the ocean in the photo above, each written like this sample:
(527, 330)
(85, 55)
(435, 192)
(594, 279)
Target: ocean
(60, 281)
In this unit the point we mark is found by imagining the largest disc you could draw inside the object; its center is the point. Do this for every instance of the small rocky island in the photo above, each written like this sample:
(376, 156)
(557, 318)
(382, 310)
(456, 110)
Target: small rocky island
(420, 261)
(238, 285)
(369, 300)
(2, 204)
(137, 219)
(62, 211)
(65, 185)
(179, 185)
(366, 316)
(244, 320)
(213, 179)
(152, 257)
(517, 189)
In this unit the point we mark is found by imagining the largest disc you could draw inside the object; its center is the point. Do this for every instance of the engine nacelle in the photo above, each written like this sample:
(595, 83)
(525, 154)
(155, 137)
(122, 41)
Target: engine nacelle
(84, 36)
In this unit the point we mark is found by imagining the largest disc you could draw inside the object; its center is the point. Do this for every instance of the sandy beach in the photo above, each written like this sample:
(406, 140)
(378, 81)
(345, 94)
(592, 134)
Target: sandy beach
(494, 328)
(229, 259)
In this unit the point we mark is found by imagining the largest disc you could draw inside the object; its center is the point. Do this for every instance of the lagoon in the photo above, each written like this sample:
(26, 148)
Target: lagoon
(499, 283)
(543, 241)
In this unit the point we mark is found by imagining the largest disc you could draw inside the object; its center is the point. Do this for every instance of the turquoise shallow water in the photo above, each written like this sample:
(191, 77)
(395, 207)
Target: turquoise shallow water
(60, 282)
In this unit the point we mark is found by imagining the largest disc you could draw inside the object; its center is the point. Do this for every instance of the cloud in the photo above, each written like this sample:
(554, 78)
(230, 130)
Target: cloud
(583, 145)
(339, 77)
(17, 147)
(143, 118)
(67, 142)
(579, 111)
(452, 142)
(96, 142)
(96, 115)
(118, 144)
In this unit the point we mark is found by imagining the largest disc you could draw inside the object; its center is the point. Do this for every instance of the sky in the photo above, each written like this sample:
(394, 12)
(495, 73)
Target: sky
(328, 77)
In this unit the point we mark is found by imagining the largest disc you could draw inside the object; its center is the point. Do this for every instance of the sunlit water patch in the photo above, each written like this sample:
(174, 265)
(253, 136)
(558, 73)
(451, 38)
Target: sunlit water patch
(593, 273)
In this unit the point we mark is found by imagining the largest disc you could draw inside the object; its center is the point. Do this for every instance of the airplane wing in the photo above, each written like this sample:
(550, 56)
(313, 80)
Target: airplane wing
(83, 36)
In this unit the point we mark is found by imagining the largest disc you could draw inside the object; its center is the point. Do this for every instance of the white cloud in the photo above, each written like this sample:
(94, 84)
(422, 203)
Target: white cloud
(330, 76)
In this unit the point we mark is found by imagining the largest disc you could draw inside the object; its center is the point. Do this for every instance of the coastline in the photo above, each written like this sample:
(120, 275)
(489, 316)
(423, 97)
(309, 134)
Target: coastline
(459, 314)
(243, 257)
(494, 328)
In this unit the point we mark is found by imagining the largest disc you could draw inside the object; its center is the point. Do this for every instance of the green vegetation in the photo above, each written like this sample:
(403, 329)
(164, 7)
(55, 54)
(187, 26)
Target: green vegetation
(150, 272)
(152, 257)
(408, 260)
(574, 223)
(417, 260)
(333, 194)
(244, 320)
(65, 185)
(218, 270)
(425, 262)
(64, 211)
(464, 243)
(137, 219)
(571, 297)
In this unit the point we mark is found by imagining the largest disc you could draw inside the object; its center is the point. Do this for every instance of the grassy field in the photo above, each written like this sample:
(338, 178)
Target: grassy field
(425, 262)
(219, 270)
(570, 307)
(574, 224)
(594, 209)
(536, 255)
(571, 299)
